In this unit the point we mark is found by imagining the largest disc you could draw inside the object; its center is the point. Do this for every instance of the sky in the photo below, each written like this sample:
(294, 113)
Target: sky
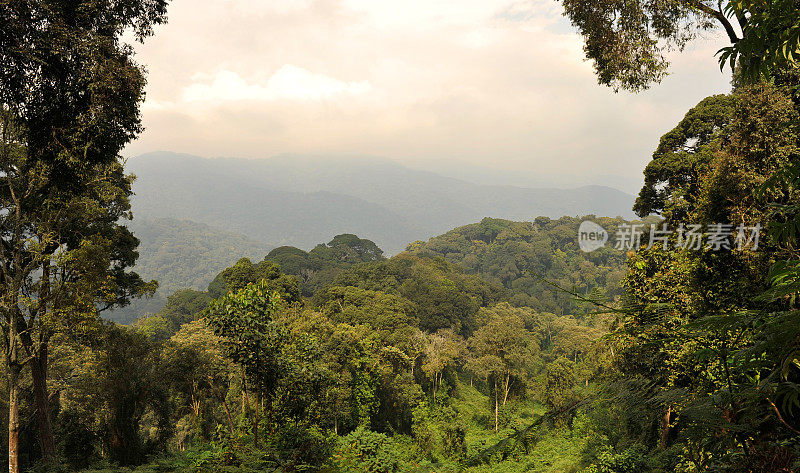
(472, 88)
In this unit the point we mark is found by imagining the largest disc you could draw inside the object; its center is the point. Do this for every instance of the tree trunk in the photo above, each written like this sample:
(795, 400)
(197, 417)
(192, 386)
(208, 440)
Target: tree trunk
(258, 409)
(506, 388)
(14, 370)
(42, 402)
(245, 397)
(662, 444)
(496, 405)
(13, 419)
(228, 415)
(224, 402)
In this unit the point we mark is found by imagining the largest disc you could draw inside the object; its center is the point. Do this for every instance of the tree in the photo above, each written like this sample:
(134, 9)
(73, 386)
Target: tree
(711, 348)
(627, 41)
(199, 370)
(523, 255)
(118, 386)
(348, 353)
(244, 272)
(181, 308)
(252, 339)
(683, 157)
(392, 317)
(559, 381)
(347, 248)
(443, 350)
(444, 296)
(500, 350)
(64, 256)
(318, 267)
(69, 97)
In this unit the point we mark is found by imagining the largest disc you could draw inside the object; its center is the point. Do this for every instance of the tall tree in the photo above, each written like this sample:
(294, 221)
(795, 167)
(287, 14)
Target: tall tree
(443, 350)
(500, 350)
(252, 339)
(717, 354)
(69, 97)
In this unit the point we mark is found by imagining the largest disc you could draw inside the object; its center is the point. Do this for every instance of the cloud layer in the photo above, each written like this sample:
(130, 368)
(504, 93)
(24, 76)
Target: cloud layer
(429, 82)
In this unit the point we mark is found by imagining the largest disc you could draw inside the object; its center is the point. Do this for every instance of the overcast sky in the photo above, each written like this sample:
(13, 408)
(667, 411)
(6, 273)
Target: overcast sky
(431, 83)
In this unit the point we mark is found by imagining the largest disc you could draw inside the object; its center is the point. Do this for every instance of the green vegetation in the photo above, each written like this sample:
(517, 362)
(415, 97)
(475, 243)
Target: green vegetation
(481, 349)
(180, 254)
(318, 267)
(628, 42)
(188, 255)
(527, 258)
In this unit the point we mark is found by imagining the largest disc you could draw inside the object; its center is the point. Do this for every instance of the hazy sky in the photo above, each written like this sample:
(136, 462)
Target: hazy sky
(427, 82)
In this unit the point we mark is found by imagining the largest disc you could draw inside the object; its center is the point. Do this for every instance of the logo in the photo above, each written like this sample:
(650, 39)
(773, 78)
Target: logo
(591, 236)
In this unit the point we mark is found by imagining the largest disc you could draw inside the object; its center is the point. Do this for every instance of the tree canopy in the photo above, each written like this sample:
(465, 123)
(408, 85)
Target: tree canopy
(627, 42)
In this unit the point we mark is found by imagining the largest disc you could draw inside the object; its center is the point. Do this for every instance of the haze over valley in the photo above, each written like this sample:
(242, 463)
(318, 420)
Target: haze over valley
(301, 200)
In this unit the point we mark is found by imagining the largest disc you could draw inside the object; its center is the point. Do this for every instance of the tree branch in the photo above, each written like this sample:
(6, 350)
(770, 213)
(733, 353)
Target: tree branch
(699, 5)
(780, 417)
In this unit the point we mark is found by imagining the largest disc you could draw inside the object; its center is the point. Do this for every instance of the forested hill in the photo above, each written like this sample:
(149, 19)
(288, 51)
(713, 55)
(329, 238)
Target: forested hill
(188, 255)
(181, 254)
(519, 254)
(302, 200)
(184, 254)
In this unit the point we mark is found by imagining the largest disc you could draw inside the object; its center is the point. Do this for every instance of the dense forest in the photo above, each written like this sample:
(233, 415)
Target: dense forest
(499, 346)
(531, 259)
(409, 358)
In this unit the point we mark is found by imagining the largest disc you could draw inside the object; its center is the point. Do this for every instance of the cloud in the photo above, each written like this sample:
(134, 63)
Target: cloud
(500, 82)
(288, 83)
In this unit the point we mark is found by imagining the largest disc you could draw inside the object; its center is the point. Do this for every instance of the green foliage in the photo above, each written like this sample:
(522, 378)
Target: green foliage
(522, 255)
(181, 308)
(559, 381)
(77, 440)
(302, 448)
(628, 43)
(770, 40)
(369, 372)
(251, 338)
(371, 452)
(632, 460)
(244, 272)
(183, 254)
(683, 156)
(700, 332)
(120, 395)
(318, 267)
(444, 297)
(392, 317)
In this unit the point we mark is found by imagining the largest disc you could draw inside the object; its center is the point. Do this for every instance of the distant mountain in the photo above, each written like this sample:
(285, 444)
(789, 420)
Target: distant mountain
(302, 200)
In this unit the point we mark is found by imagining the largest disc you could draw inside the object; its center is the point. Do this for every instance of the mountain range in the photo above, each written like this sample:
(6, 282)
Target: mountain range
(302, 200)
